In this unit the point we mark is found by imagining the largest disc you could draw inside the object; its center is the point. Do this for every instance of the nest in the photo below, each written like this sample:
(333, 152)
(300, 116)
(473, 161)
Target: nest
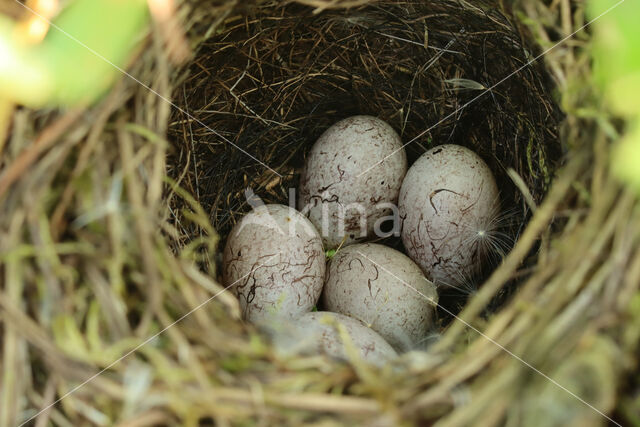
(109, 234)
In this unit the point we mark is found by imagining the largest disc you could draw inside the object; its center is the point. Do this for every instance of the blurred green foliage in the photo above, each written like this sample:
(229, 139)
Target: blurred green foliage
(79, 58)
(616, 52)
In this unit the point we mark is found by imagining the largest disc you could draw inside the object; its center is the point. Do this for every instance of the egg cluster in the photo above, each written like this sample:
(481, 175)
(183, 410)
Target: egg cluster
(355, 181)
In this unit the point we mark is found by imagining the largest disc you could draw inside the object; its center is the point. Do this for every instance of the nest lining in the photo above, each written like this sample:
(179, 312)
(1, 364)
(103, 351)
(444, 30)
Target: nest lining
(271, 83)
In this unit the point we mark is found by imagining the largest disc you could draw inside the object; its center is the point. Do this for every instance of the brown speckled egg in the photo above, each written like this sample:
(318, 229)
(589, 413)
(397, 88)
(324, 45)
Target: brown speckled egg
(340, 191)
(319, 331)
(447, 200)
(275, 263)
(383, 288)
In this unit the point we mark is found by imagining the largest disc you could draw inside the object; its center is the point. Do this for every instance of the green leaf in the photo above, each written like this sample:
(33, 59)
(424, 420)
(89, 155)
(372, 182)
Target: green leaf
(626, 157)
(84, 52)
(616, 53)
(24, 77)
(92, 38)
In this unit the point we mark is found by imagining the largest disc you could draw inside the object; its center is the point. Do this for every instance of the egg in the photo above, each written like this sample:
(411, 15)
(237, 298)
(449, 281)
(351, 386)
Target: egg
(383, 288)
(319, 332)
(351, 179)
(274, 262)
(448, 201)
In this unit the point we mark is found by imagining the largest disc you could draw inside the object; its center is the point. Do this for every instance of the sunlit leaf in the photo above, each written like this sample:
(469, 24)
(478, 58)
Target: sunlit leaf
(85, 51)
(616, 53)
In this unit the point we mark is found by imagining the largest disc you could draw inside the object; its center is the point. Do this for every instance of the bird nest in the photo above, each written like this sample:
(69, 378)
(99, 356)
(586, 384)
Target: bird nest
(110, 307)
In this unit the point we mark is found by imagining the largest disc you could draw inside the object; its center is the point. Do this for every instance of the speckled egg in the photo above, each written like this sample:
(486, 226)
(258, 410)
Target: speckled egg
(351, 178)
(275, 263)
(448, 200)
(319, 332)
(383, 288)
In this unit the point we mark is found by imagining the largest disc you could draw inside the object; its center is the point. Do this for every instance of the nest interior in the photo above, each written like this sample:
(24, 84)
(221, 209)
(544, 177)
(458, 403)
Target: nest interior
(106, 319)
(260, 92)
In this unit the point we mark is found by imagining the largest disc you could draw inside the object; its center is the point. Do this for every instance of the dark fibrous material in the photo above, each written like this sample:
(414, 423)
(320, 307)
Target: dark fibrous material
(262, 90)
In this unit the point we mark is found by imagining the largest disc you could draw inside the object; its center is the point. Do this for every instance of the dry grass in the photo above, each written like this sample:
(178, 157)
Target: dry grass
(95, 259)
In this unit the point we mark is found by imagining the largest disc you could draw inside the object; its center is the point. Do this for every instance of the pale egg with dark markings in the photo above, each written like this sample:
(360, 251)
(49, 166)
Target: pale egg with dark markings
(448, 201)
(385, 289)
(324, 332)
(275, 264)
(351, 177)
